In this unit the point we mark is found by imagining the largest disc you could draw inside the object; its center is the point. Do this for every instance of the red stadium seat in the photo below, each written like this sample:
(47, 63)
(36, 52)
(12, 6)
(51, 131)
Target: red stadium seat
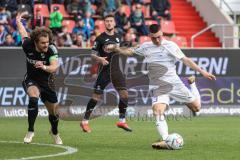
(144, 39)
(43, 9)
(146, 1)
(168, 27)
(61, 9)
(70, 25)
(180, 41)
(127, 10)
(100, 24)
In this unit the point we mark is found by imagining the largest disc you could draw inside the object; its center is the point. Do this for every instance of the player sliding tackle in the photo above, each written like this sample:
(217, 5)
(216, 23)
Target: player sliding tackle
(161, 56)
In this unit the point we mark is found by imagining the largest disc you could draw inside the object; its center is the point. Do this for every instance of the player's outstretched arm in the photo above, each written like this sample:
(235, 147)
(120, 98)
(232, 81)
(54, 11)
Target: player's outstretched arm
(20, 26)
(190, 63)
(127, 51)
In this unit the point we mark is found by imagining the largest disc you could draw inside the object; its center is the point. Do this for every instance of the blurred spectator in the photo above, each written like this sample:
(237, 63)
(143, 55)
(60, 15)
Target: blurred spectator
(160, 8)
(60, 41)
(80, 28)
(8, 41)
(85, 6)
(67, 37)
(3, 34)
(4, 17)
(137, 20)
(122, 23)
(130, 2)
(27, 2)
(97, 31)
(92, 40)
(11, 6)
(129, 40)
(15, 35)
(80, 41)
(73, 8)
(89, 24)
(56, 20)
(38, 20)
(74, 37)
(110, 6)
(26, 5)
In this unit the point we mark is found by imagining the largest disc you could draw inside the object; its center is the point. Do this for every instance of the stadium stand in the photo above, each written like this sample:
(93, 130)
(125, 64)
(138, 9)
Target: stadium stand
(185, 22)
(70, 25)
(61, 9)
(43, 9)
(188, 22)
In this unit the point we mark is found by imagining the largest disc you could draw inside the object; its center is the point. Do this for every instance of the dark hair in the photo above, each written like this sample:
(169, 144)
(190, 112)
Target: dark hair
(108, 16)
(154, 28)
(41, 32)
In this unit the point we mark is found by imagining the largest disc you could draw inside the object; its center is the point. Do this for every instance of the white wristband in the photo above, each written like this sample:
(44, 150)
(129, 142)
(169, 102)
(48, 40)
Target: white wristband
(44, 67)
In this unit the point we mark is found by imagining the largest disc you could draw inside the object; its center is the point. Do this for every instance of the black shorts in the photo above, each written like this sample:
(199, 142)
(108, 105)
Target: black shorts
(105, 77)
(46, 93)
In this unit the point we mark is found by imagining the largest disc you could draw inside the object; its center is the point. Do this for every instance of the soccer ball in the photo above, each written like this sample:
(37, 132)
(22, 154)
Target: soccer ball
(174, 141)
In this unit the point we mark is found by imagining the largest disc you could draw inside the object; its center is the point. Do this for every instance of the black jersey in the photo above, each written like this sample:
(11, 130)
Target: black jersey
(32, 56)
(104, 39)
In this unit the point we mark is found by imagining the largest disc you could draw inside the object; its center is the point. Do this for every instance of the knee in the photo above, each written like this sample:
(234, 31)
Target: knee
(96, 97)
(159, 109)
(123, 95)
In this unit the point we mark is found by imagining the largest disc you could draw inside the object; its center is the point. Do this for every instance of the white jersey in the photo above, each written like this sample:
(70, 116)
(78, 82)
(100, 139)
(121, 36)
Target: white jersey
(161, 59)
(163, 79)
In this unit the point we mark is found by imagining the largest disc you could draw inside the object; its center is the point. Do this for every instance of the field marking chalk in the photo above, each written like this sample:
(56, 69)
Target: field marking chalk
(69, 150)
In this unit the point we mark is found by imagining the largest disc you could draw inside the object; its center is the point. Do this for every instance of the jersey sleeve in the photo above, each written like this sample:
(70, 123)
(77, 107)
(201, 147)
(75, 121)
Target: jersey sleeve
(53, 52)
(140, 50)
(175, 50)
(96, 46)
(26, 44)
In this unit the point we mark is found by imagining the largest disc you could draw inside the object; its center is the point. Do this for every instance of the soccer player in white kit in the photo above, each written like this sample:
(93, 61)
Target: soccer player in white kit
(161, 56)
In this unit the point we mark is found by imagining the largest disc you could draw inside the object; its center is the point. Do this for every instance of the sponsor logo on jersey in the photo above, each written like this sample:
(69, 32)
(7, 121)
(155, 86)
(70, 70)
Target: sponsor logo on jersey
(117, 39)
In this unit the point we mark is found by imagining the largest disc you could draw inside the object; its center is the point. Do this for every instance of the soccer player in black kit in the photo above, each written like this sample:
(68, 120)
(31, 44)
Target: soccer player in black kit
(109, 71)
(42, 63)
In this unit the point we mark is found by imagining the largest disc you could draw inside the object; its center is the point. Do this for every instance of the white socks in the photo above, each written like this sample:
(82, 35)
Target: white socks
(122, 120)
(162, 126)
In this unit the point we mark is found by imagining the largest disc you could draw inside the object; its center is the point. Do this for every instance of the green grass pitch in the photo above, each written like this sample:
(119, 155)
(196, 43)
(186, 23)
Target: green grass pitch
(206, 138)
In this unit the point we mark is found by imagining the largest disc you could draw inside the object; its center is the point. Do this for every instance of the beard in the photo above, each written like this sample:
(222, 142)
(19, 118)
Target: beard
(109, 29)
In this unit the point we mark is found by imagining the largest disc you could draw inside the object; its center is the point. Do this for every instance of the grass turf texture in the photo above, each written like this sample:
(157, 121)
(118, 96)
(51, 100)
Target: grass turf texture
(215, 138)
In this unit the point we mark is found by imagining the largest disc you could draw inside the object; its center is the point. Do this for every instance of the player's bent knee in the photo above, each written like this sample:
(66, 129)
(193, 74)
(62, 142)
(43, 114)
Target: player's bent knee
(96, 97)
(158, 109)
(123, 94)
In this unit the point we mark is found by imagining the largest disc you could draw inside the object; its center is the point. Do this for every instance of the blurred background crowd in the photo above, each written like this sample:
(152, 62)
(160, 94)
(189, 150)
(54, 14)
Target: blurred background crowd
(76, 23)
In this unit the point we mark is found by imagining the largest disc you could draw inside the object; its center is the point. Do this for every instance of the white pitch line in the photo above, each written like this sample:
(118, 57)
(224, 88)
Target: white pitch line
(69, 150)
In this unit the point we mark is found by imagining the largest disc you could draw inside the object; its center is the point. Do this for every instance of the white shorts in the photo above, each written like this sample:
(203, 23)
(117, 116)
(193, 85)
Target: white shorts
(179, 93)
